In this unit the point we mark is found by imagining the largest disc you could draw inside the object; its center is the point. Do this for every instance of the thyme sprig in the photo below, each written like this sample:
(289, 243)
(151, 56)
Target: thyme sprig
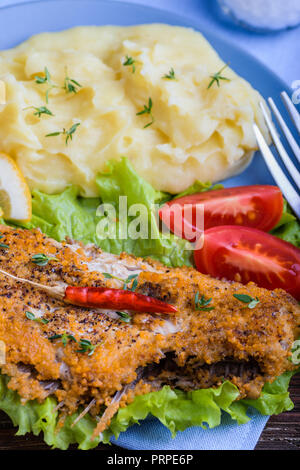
(170, 75)
(31, 316)
(130, 62)
(134, 285)
(71, 85)
(41, 259)
(124, 317)
(67, 132)
(40, 110)
(84, 344)
(3, 245)
(295, 357)
(147, 110)
(217, 77)
(132, 277)
(65, 338)
(40, 80)
(247, 299)
(202, 303)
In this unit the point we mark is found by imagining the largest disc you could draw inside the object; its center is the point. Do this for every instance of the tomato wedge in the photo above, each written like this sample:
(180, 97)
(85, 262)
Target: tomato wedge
(246, 254)
(258, 206)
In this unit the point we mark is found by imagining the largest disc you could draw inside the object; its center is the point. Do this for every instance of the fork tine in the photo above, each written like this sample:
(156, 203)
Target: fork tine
(295, 147)
(291, 109)
(287, 189)
(280, 148)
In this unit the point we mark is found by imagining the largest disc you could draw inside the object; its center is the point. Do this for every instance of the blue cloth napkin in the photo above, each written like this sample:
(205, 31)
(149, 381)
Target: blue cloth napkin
(279, 52)
(152, 435)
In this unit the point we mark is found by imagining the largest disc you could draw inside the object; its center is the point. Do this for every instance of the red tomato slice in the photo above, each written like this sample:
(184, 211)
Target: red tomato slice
(251, 206)
(245, 254)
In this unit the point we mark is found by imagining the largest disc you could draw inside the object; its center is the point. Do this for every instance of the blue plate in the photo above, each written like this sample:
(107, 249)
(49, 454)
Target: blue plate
(38, 16)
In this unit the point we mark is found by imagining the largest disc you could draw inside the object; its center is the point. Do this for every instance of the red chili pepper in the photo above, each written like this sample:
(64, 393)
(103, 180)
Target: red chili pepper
(116, 299)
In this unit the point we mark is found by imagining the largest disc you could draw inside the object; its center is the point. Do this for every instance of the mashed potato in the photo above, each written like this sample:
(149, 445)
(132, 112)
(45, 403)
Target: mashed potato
(197, 133)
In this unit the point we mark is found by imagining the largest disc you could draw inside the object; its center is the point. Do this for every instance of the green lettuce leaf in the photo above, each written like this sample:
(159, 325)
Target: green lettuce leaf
(178, 410)
(65, 215)
(288, 228)
(274, 398)
(43, 418)
(199, 187)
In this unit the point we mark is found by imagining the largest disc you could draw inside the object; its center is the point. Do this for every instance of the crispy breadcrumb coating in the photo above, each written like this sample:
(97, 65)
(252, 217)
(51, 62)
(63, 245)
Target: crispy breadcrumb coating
(191, 349)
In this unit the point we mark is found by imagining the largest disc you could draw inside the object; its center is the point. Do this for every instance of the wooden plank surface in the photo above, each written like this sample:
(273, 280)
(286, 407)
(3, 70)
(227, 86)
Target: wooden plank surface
(281, 433)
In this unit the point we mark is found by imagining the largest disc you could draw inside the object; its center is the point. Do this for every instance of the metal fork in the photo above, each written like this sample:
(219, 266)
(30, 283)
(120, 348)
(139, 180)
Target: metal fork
(288, 190)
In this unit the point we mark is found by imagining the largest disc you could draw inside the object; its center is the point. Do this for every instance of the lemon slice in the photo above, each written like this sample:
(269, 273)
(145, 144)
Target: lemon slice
(15, 197)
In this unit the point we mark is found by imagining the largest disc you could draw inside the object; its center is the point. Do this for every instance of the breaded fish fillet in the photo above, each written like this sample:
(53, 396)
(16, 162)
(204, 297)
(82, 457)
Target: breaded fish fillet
(212, 337)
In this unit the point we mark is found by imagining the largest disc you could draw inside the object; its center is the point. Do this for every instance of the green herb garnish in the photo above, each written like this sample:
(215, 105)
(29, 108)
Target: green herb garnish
(131, 277)
(201, 304)
(45, 79)
(68, 133)
(134, 285)
(31, 316)
(247, 299)
(217, 77)
(3, 245)
(109, 276)
(85, 346)
(126, 281)
(124, 317)
(41, 110)
(170, 75)
(65, 338)
(54, 337)
(147, 110)
(130, 62)
(41, 259)
(71, 85)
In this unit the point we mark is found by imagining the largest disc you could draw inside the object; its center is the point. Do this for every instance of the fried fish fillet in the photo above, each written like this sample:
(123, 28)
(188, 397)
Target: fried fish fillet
(192, 349)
